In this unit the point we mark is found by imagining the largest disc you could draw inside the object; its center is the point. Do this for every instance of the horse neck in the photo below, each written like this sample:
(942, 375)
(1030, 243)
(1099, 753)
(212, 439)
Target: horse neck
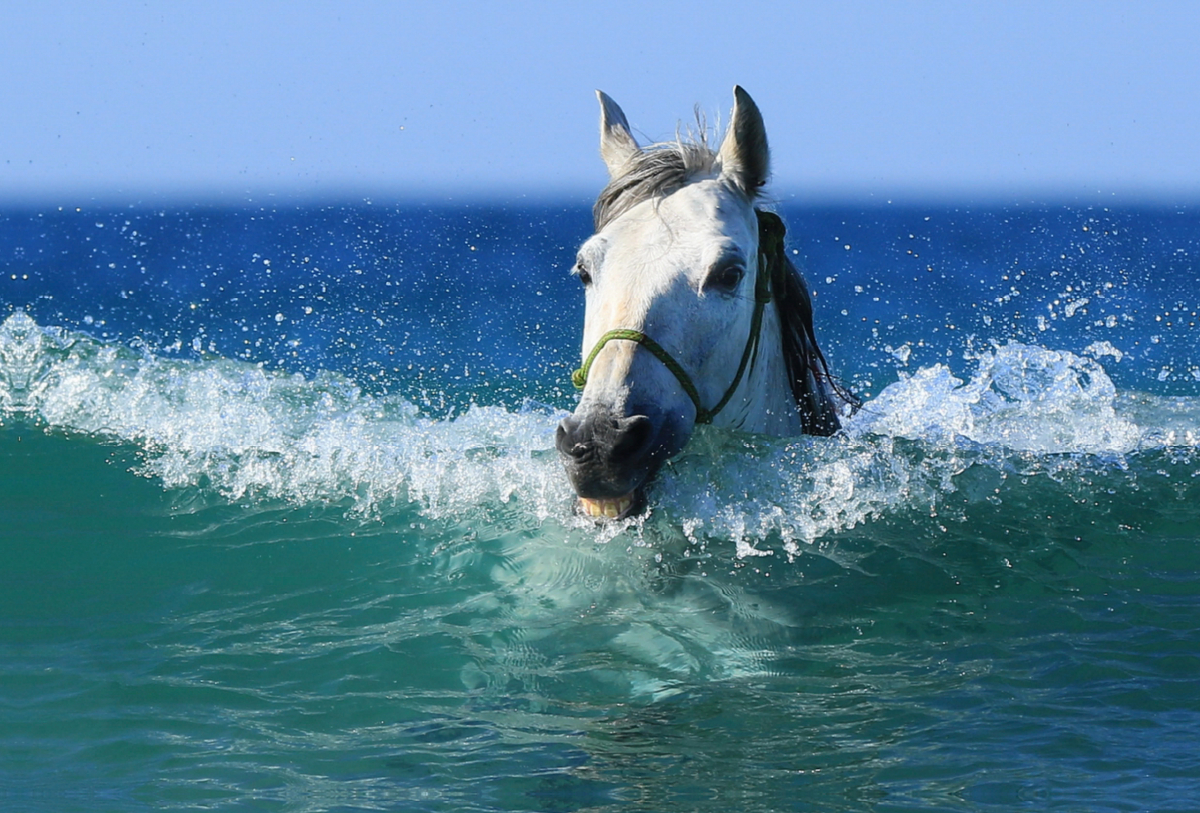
(763, 402)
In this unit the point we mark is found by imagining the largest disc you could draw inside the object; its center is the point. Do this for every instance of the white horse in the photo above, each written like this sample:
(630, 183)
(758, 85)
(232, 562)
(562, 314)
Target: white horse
(694, 312)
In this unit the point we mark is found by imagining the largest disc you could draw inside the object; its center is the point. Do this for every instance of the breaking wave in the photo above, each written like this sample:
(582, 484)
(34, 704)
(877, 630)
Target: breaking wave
(247, 433)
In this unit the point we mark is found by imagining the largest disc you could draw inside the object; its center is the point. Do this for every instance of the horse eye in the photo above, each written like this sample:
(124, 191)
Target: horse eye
(727, 278)
(582, 272)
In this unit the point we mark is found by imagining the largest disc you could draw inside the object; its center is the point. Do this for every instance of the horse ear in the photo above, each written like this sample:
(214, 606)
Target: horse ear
(744, 155)
(617, 144)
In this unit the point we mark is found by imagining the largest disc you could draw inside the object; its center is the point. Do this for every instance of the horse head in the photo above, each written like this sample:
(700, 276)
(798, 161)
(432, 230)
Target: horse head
(678, 330)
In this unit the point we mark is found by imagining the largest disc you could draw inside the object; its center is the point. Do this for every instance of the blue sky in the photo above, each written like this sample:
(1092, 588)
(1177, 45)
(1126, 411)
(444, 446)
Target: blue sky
(458, 99)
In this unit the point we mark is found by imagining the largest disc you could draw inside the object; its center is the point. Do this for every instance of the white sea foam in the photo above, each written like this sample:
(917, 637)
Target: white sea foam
(1021, 397)
(905, 448)
(248, 433)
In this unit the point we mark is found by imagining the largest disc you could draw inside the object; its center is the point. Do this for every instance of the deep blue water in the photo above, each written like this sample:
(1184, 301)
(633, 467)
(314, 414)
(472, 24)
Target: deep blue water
(282, 527)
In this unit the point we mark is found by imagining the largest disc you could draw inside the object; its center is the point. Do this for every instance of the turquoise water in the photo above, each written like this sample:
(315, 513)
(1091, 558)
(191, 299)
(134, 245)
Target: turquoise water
(316, 577)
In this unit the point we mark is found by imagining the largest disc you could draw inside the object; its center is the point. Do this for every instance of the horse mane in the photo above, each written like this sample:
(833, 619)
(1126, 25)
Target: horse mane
(814, 388)
(654, 172)
(661, 169)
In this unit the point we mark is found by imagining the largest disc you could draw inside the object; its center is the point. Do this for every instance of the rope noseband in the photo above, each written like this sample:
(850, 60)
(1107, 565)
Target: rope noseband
(770, 265)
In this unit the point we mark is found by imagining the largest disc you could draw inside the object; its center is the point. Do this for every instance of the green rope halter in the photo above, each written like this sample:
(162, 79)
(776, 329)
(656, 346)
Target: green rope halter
(770, 255)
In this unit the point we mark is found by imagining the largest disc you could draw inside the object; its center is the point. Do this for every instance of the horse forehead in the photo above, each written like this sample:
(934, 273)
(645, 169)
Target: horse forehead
(709, 203)
(687, 222)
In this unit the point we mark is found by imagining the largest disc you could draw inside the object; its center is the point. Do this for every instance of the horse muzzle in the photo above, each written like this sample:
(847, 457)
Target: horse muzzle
(609, 458)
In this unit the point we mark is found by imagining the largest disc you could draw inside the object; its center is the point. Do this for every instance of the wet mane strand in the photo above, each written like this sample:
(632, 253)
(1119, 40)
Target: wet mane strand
(807, 371)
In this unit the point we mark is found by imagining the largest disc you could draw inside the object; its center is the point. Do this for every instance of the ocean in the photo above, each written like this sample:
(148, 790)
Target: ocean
(282, 526)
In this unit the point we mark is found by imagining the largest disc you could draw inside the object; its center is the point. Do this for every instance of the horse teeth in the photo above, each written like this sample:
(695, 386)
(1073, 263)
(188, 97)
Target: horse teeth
(608, 509)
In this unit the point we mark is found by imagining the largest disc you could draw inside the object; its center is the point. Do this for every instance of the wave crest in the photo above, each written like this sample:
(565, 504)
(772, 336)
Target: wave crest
(249, 433)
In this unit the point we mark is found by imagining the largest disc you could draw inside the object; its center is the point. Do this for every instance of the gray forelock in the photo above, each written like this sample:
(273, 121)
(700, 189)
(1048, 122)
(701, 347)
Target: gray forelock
(655, 172)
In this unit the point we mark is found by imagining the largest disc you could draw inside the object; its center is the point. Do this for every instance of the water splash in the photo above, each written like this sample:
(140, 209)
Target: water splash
(23, 359)
(1021, 397)
(247, 433)
(250, 433)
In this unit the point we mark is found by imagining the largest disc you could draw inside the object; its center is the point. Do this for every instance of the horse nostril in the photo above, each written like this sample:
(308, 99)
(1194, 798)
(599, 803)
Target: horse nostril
(624, 439)
(568, 441)
(632, 436)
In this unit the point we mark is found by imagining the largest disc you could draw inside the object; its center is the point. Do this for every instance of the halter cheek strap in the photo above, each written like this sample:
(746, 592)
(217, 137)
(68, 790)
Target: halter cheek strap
(770, 251)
